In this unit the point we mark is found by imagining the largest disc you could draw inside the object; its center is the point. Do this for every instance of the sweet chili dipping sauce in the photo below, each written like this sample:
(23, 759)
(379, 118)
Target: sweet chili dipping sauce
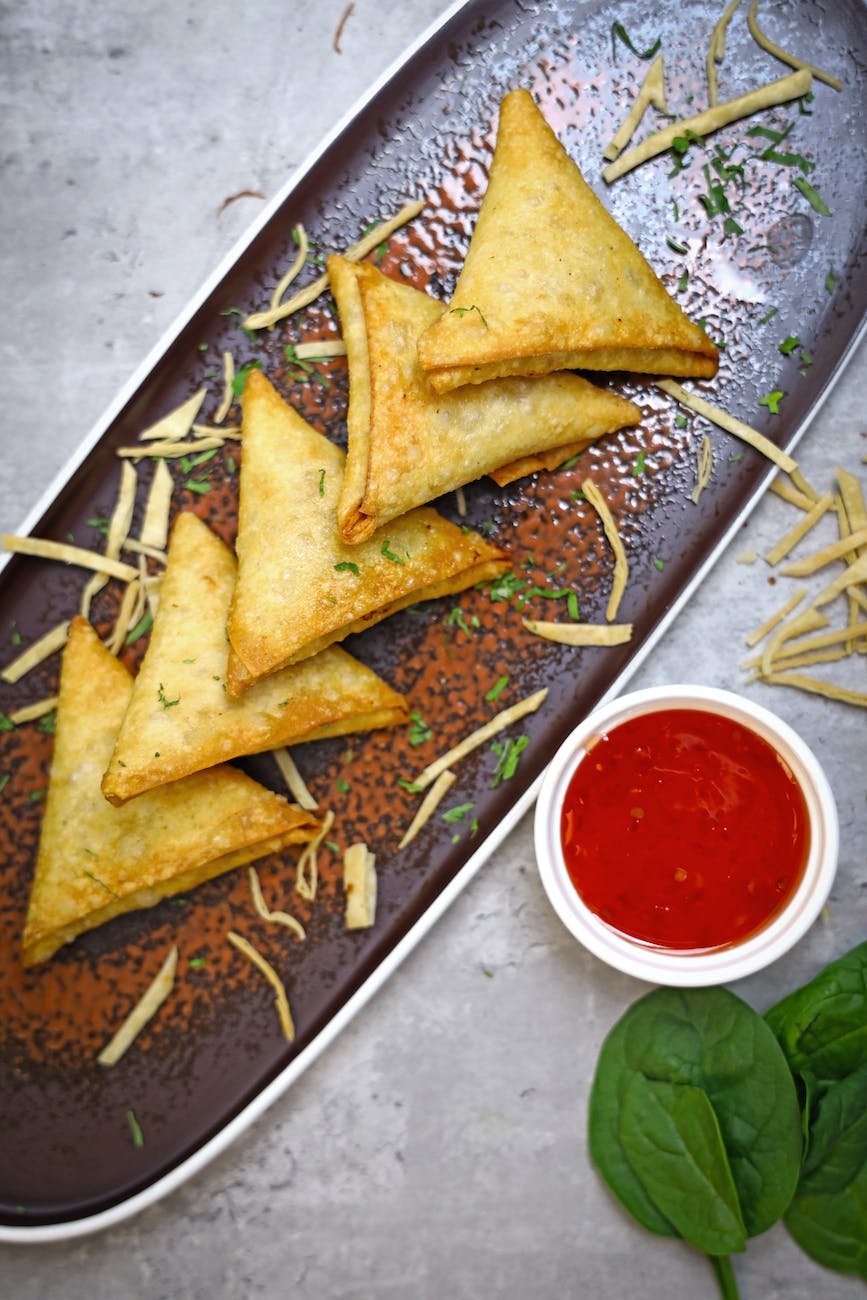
(684, 830)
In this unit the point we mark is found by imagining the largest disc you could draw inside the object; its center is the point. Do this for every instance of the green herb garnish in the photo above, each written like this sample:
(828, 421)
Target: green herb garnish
(195, 963)
(163, 699)
(508, 756)
(619, 33)
(462, 311)
(240, 377)
(96, 880)
(813, 197)
(347, 566)
(135, 1129)
(772, 401)
(419, 731)
(390, 555)
(458, 813)
(322, 482)
(144, 625)
(496, 690)
(788, 346)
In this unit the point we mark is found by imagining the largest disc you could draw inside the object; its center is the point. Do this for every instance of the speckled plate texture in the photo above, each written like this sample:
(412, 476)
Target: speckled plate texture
(66, 1146)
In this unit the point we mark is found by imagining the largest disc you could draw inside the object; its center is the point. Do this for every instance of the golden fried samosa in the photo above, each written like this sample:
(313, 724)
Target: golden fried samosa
(180, 708)
(96, 861)
(551, 281)
(300, 587)
(407, 444)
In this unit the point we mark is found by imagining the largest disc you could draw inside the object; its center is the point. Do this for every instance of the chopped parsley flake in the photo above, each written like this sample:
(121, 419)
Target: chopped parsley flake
(5, 778)
(142, 626)
(240, 376)
(787, 347)
(830, 282)
(496, 690)
(638, 467)
(196, 962)
(322, 482)
(197, 485)
(346, 566)
(458, 813)
(343, 785)
(419, 731)
(772, 401)
(48, 724)
(163, 699)
(462, 311)
(35, 795)
(675, 246)
(100, 524)
(813, 197)
(619, 33)
(508, 756)
(96, 880)
(135, 1129)
(390, 555)
(768, 315)
(659, 564)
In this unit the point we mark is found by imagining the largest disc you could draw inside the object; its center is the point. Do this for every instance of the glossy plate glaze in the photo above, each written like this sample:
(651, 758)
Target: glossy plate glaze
(215, 1056)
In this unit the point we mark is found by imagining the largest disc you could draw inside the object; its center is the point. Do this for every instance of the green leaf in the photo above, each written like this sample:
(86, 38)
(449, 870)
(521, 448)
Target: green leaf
(708, 1039)
(240, 377)
(830, 1229)
(838, 1136)
(673, 1142)
(822, 1027)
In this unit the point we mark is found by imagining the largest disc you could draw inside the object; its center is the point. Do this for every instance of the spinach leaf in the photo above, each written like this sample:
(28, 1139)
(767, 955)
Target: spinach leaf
(838, 1136)
(673, 1142)
(708, 1039)
(830, 1229)
(822, 1027)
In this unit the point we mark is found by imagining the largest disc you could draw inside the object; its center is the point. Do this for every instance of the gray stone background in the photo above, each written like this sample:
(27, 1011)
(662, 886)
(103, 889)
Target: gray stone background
(437, 1149)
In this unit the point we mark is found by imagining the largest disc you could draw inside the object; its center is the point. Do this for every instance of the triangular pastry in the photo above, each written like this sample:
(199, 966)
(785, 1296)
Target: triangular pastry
(96, 861)
(407, 444)
(180, 708)
(551, 281)
(300, 587)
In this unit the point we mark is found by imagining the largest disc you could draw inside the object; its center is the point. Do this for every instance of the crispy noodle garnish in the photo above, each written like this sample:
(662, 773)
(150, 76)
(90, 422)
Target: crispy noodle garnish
(704, 468)
(794, 86)
(66, 554)
(651, 91)
(716, 50)
(476, 738)
(621, 564)
(177, 423)
(807, 521)
(728, 422)
(307, 871)
(154, 531)
(294, 780)
(783, 55)
(228, 388)
(37, 653)
(262, 909)
(30, 712)
(143, 1011)
(428, 806)
(367, 243)
(581, 634)
(300, 236)
(359, 887)
(280, 997)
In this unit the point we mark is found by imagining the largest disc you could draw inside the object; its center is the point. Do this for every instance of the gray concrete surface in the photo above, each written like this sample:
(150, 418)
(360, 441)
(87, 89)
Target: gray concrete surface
(437, 1149)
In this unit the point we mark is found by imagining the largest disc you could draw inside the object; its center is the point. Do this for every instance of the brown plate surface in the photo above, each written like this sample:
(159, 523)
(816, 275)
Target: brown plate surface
(788, 271)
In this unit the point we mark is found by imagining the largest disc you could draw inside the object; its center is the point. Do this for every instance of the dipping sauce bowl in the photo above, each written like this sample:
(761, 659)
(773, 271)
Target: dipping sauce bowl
(685, 835)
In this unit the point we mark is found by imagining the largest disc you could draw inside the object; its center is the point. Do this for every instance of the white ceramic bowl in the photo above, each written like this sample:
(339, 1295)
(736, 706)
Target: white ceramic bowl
(665, 966)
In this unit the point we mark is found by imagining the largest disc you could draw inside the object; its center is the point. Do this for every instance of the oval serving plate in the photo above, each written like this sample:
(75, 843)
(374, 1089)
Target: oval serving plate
(215, 1058)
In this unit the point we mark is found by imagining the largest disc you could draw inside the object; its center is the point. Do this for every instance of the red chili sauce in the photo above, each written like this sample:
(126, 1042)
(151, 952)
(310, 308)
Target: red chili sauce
(684, 830)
